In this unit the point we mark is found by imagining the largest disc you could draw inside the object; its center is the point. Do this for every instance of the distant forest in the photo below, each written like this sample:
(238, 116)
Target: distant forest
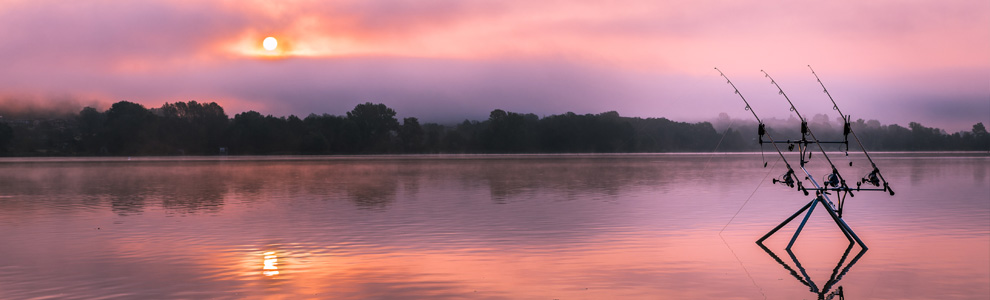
(192, 128)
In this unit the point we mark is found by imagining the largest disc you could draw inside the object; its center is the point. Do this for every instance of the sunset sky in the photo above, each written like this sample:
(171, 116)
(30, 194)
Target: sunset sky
(447, 60)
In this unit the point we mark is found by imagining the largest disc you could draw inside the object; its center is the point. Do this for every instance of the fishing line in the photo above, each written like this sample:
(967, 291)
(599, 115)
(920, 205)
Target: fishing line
(734, 217)
(730, 221)
(743, 266)
(750, 196)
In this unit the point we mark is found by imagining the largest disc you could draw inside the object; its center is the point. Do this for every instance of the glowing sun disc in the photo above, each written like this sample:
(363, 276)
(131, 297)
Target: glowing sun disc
(270, 43)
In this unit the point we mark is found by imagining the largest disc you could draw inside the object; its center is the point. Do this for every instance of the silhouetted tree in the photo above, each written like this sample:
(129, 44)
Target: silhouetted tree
(90, 131)
(463, 138)
(570, 132)
(130, 129)
(197, 128)
(979, 129)
(509, 132)
(192, 127)
(251, 133)
(374, 124)
(981, 139)
(326, 134)
(292, 134)
(411, 136)
(434, 134)
(6, 136)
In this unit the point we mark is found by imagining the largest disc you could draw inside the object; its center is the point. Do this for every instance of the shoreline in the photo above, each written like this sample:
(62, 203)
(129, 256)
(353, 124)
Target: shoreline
(470, 156)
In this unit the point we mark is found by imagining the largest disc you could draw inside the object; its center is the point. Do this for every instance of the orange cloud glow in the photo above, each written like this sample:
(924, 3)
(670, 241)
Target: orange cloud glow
(679, 36)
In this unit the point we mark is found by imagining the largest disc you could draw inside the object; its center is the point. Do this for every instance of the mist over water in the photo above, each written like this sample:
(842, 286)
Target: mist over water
(678, 226)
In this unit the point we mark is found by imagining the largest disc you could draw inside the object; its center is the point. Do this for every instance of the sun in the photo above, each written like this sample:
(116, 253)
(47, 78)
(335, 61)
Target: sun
(270, 43)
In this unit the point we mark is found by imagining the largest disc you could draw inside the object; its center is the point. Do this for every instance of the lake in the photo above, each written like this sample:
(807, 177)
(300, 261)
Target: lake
(635, 226)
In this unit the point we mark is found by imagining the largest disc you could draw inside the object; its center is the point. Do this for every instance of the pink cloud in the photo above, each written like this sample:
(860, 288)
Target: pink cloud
(645, 58)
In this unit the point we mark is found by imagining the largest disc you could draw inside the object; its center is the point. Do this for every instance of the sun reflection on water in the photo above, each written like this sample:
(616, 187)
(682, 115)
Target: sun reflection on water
(271, 264)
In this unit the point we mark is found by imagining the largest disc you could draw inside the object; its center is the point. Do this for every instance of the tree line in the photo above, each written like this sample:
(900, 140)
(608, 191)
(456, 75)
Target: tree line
(193, 128)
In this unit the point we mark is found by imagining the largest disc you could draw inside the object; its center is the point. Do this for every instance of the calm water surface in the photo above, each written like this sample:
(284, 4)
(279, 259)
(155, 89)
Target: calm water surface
(673, 226)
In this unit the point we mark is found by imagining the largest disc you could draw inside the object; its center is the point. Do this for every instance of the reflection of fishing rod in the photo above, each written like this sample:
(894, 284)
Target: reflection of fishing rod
(834, 179)
(874, 178)
(788, 178)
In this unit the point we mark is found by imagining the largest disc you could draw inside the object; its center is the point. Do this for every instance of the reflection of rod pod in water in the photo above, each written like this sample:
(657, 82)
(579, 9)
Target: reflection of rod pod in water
(837, 273)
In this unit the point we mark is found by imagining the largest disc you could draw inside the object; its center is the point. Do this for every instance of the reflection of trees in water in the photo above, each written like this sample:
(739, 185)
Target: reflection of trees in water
(186, 189)
(919, 170)
(373, 191)
(200, 193)
(126, 190)
(128, 187)
(604, 177)
(203, 187)
(410, 180)
(89, 186)
(178, 187)
(368, 184)
(127, 204)
(980, 175)
(573, 177)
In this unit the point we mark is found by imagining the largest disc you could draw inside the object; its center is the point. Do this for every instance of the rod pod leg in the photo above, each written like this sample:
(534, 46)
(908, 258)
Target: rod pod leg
(843, 226)
(782, 224)
(805, 221)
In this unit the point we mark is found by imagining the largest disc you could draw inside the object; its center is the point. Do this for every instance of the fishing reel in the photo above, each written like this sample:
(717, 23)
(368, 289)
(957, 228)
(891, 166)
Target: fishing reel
(832, 180)
(787, 179)
(874, 178)
(871, 178)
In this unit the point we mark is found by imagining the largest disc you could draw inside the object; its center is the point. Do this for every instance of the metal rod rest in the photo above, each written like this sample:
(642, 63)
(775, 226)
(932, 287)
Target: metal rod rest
(834, 182)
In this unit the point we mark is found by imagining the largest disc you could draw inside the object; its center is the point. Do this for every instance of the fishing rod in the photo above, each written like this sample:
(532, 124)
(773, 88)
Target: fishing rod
(835, 179)
(875, 177)
(789, 178)
(832, 182)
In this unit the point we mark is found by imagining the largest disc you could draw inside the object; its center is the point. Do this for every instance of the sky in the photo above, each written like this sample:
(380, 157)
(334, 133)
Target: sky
(896, 61)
